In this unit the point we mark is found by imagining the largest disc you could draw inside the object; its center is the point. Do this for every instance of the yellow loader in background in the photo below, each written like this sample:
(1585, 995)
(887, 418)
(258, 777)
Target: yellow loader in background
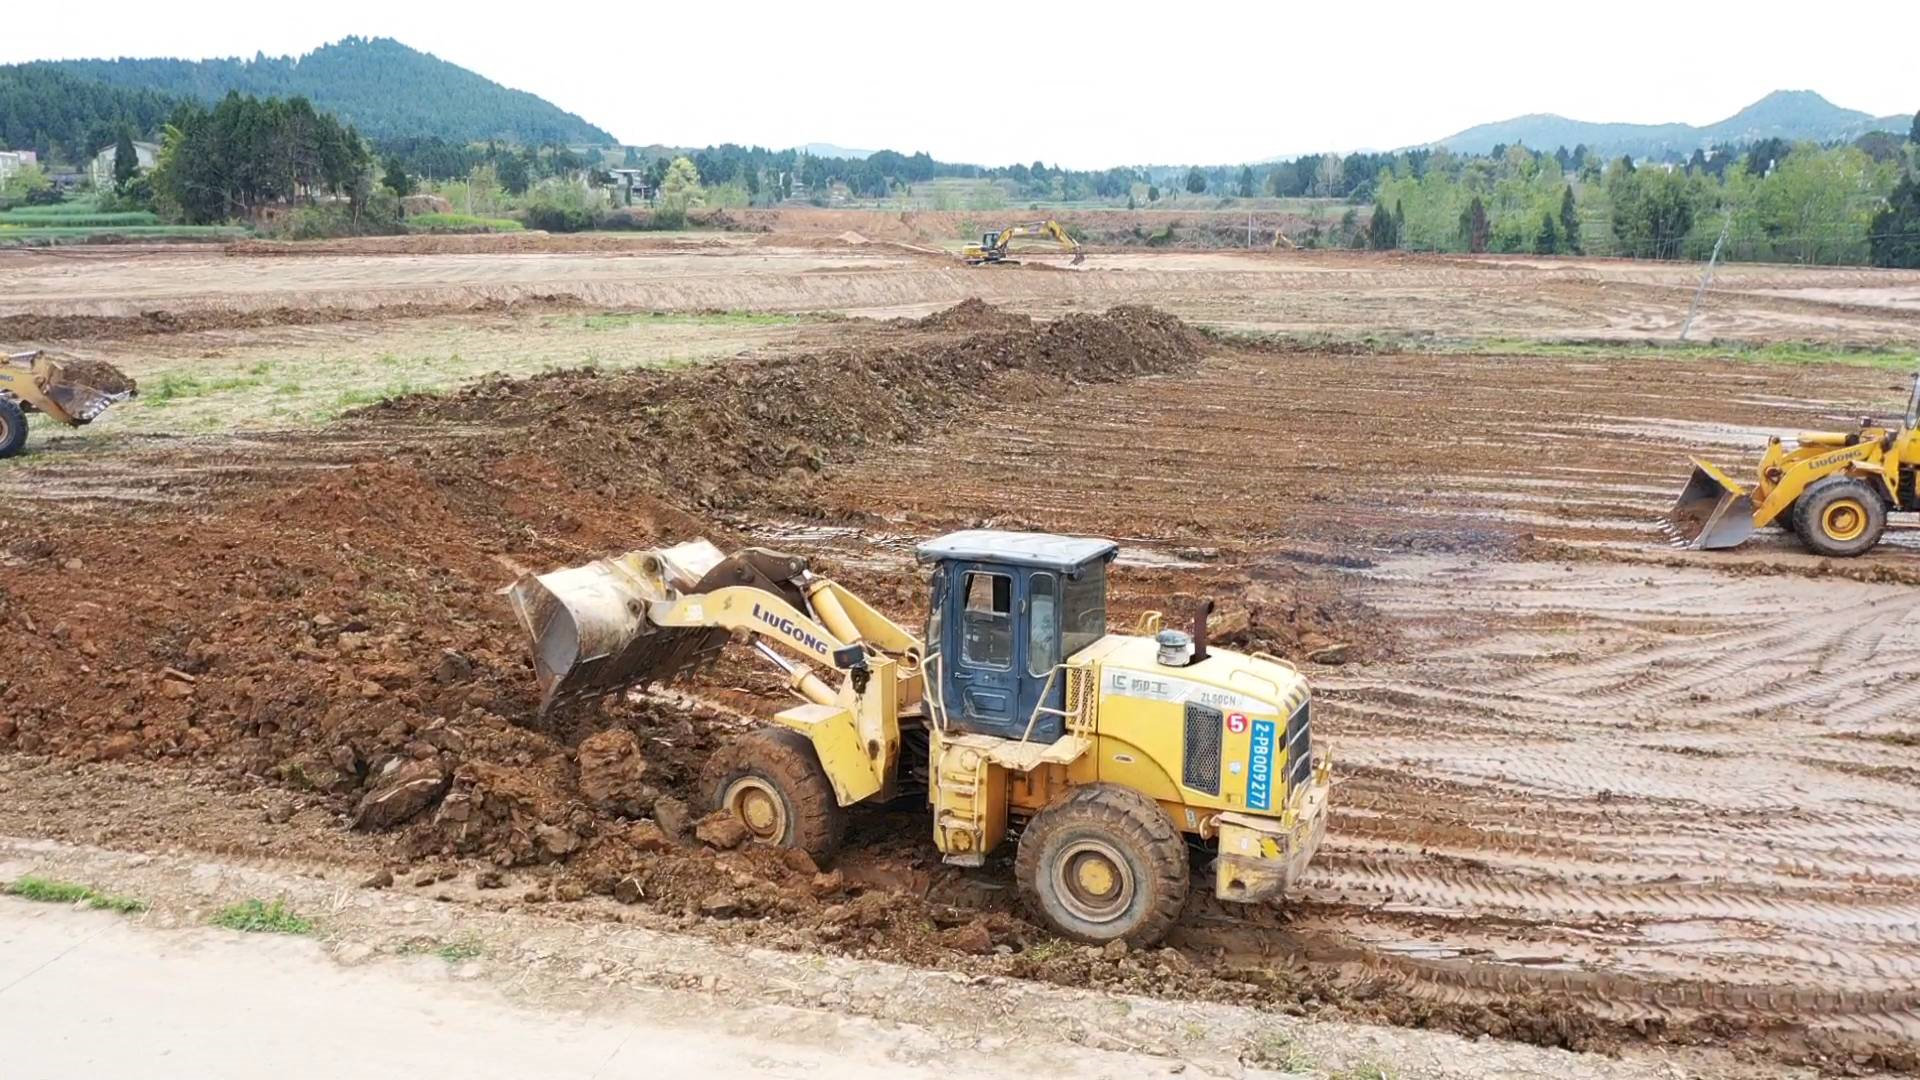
(1112, 757)
(1832, 488)
(30, 382)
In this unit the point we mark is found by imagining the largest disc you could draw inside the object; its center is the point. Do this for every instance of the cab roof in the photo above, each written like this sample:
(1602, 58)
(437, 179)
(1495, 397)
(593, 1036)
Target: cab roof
(1045, 550)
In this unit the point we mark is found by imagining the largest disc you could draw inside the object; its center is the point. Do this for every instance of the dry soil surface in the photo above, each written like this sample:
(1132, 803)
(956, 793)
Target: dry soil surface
(1592, 792)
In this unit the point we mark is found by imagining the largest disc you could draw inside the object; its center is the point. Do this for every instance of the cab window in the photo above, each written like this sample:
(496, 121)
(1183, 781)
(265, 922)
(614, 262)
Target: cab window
(1084, 609)
(986, 621)
(1043, 624)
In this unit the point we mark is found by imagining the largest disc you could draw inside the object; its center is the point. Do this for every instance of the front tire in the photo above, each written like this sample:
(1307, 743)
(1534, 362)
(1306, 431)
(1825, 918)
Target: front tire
(1841, 516)
(772, 782)
(1104, 864)
(13, 427)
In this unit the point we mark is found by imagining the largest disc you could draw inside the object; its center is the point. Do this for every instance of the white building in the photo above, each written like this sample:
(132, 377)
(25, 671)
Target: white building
(11, 162)
(145, 153)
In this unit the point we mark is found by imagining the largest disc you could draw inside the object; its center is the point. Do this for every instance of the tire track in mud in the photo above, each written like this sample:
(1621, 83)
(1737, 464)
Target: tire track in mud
(1633, 820)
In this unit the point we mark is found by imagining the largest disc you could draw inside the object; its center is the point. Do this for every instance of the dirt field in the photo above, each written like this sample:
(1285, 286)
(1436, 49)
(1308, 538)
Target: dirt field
(1592, 792)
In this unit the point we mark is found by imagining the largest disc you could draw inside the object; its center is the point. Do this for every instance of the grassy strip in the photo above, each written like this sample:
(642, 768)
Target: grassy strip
(258, 917)
(79, 219)
(621, 320)
(49, 891)
(1776, 352)
(460, 223)
(28, 234)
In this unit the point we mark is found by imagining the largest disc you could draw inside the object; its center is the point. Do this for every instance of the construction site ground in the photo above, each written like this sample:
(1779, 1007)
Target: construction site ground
(1653, 806)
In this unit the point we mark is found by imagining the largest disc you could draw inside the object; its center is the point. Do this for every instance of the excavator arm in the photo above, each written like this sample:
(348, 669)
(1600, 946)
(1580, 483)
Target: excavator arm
(993, 247)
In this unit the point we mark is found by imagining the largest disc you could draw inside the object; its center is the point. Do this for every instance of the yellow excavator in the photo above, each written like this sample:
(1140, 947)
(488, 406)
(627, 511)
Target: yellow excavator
(1831, 488)
(1113, 758)
(994, 247)
(31, 382)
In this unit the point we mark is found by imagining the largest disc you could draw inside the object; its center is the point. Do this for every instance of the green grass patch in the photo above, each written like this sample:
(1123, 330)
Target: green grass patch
(1776, 352)
(453, 952)
(78, 219)
(460, 223)
(621, 320)
(259, 917)
(20, 235)
(177, 386)
(1366, 1070)
(1275, 1049)
(48, 891)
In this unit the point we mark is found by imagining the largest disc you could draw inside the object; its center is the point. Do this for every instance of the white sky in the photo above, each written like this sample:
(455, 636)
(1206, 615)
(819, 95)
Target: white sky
(1084, 85)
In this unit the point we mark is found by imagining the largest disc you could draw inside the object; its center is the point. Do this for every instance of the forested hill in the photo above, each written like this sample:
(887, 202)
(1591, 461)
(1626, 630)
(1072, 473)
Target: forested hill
(379, 85)
(49, 110)
(1792, 115)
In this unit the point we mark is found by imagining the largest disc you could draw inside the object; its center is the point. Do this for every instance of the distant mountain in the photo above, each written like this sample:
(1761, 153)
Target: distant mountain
(821, 149)
(1786, 114)
(382, 87)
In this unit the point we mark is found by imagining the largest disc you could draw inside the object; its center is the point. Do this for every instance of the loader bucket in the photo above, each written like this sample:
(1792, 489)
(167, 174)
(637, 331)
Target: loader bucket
(589, 626)
(1711, 512)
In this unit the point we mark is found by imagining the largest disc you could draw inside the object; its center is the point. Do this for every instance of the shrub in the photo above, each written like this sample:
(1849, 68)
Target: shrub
(459, 223)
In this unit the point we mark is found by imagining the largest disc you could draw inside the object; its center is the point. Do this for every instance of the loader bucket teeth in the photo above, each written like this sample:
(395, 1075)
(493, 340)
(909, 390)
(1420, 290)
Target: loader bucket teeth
(1711, 512)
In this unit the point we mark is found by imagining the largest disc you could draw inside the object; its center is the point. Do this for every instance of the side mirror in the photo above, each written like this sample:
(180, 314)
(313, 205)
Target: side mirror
(1913, 403)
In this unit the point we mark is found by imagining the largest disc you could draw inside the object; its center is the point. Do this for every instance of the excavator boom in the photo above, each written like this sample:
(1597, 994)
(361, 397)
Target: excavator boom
(994, 246)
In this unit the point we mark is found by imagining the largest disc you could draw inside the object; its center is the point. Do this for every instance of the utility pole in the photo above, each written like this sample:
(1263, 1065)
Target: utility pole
(1706, 276)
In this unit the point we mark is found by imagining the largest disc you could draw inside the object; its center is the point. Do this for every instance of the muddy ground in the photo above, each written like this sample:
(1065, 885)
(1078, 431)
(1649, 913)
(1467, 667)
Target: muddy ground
(1593, 792)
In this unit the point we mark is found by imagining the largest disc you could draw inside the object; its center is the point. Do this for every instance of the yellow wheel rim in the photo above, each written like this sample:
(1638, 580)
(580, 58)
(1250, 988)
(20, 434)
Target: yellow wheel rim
(1094, 881)
(759, 807)
(1843, 520)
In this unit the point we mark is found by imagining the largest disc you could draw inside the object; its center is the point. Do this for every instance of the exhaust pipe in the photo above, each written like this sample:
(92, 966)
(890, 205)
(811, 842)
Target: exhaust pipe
(1200, 630)
(1712, 512)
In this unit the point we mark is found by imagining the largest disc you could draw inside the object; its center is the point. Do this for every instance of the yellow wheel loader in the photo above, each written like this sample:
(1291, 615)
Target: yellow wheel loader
(29, 382)
(1832, 488)
(994, 247)
(1110, 758)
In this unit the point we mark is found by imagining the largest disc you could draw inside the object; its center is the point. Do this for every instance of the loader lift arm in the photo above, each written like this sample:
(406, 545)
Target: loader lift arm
(648, 616)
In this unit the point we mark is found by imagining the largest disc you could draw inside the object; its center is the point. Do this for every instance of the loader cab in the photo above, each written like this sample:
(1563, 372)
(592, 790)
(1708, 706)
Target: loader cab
(1007, 608)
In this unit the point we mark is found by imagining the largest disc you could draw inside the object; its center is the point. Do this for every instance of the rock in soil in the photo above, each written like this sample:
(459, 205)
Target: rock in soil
(613, 774)
(721, 830)
(674, 817)
(403, 790)
(973, 938)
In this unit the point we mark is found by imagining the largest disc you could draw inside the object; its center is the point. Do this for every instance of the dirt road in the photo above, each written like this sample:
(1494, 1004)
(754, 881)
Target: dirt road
(394, 986)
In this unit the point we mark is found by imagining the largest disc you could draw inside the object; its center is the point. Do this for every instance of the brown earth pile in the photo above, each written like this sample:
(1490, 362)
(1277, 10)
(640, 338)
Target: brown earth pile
(758, 434)
(340, 633)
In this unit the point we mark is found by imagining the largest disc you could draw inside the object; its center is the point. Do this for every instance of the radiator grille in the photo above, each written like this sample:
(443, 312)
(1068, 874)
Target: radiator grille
(1200, 758)
(1300, 745)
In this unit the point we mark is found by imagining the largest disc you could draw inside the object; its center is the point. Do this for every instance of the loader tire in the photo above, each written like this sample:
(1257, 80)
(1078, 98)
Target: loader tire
(1104, 864)
(1841, 516)
(13, 428)
(772, 782)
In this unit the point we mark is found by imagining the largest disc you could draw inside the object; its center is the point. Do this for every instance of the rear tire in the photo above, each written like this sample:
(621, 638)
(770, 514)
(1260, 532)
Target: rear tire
(13, 428)
(771, 780)
(1104, 864)
(1841, 516)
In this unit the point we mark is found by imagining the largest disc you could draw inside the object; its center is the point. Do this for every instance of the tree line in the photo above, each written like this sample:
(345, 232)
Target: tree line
(220, 163)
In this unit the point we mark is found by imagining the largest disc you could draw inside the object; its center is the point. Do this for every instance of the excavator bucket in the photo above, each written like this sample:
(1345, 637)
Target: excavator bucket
(589, 625)
(1712, 511)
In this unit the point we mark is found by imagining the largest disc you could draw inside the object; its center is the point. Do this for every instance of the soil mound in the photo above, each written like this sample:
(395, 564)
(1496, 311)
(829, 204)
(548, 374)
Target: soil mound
(757, 432)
